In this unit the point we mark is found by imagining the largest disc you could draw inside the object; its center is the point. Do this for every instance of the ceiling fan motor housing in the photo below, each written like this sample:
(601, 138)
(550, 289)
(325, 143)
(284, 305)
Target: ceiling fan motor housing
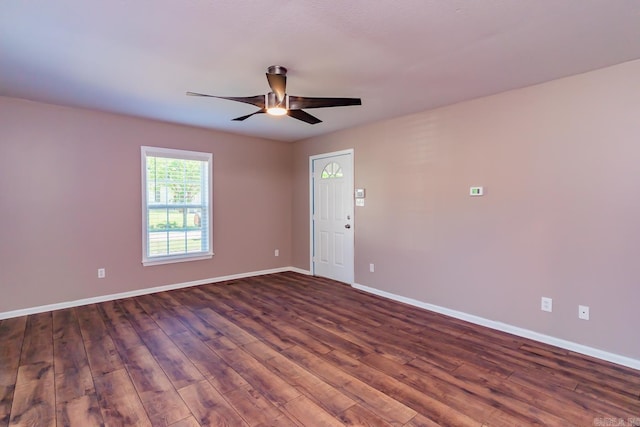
(277, 69)
(272, 101)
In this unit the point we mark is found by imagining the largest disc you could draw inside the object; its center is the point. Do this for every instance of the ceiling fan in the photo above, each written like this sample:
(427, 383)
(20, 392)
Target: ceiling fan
(278, 103)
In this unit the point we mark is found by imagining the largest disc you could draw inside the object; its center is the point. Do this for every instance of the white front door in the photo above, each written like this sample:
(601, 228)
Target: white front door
(332, 216)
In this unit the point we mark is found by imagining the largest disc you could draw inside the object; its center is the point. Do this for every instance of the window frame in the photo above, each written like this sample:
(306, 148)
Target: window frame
(147, 151)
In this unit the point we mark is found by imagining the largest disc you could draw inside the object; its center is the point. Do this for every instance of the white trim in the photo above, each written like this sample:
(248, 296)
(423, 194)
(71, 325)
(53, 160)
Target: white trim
(138, 292)
(174, 259)
(504, 327)
(300, 271)
(349, 151)
(206, 201)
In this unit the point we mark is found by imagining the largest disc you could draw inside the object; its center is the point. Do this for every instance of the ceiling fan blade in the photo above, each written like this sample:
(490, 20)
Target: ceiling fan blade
(304, 116)
(241, 118)
(298, 102)
(257, 100)
(278, 84)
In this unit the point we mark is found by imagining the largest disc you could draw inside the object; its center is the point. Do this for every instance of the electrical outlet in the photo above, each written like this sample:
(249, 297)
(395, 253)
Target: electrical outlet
(101, 273)
(583, 312)
(546, 304)
(371, 268)
(276, 252)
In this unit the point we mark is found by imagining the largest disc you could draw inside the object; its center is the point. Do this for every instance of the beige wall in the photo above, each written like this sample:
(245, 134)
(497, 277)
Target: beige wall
(70, 203)
(560, 164)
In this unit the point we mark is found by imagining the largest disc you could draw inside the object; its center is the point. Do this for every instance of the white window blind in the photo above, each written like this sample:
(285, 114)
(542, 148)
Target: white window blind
(176, 208)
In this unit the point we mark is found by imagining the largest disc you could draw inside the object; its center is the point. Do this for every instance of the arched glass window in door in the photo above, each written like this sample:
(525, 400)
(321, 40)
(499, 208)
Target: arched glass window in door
(332, 170)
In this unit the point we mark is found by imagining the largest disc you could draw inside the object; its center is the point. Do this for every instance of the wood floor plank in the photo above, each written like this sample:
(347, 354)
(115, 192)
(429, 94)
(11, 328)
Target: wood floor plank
(594, 382)
(307, 413)
(222, 376)
(435, 383)
(159, 397)
(579, 368)
(624, 403)
(83, 411)
(376, 401)
(259, 326)
(409, 396)
(274, 388)
(6, 401)
(34, 398)
(119, 402)
(34, 395)
(73, 378)
(298, 336)
(167, 321)
(421, 421)
(103, 356)
(137, 316)
(194, 323)
(37, 346)
(12, 335)
(186, 422)
(243, 298)
(374, 340)
(534, 406)
(570, 398)
(254, 408)
(288, 349)
(194, 301)
(324, 395)
(91, 324)
(176, 365)
(122, 333)
(357, 415)
(226, 327)
(309, 325)
(101, 352)
(209, 407)
(474, 400)
(336, 304)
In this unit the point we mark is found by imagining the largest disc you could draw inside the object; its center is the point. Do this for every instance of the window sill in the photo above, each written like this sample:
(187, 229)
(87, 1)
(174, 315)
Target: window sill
(174, 259)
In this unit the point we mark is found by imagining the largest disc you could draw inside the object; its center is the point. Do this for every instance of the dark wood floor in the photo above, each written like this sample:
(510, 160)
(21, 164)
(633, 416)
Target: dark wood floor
(288, 349)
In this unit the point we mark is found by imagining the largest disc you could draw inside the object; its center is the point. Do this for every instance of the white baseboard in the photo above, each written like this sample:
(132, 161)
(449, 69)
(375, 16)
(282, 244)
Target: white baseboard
(300, 270)
(138, 292)
(504, 327)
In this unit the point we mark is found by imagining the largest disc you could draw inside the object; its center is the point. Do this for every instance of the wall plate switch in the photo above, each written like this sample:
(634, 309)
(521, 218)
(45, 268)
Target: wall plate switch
(583, 312)
(371, 268)
(476, 191)
(546, 304)
(359, 202)
(276, 252)
(101, 273)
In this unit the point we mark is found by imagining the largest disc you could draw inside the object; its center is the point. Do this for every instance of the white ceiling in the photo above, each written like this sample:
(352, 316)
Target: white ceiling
(404, 56)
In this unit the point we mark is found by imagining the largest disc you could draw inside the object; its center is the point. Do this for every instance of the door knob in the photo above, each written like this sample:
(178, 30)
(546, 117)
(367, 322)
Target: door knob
(347, 226)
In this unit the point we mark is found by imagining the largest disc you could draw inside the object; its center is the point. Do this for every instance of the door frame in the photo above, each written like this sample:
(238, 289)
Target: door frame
(312, 158)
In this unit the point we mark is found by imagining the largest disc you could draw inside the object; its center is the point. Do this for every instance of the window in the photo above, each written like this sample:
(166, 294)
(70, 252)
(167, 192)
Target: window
(176, 213)
(332, 170)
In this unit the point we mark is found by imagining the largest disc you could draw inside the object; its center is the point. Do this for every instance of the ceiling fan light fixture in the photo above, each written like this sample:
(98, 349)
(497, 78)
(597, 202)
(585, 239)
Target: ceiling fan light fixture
(275, 108)
(277, 111)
